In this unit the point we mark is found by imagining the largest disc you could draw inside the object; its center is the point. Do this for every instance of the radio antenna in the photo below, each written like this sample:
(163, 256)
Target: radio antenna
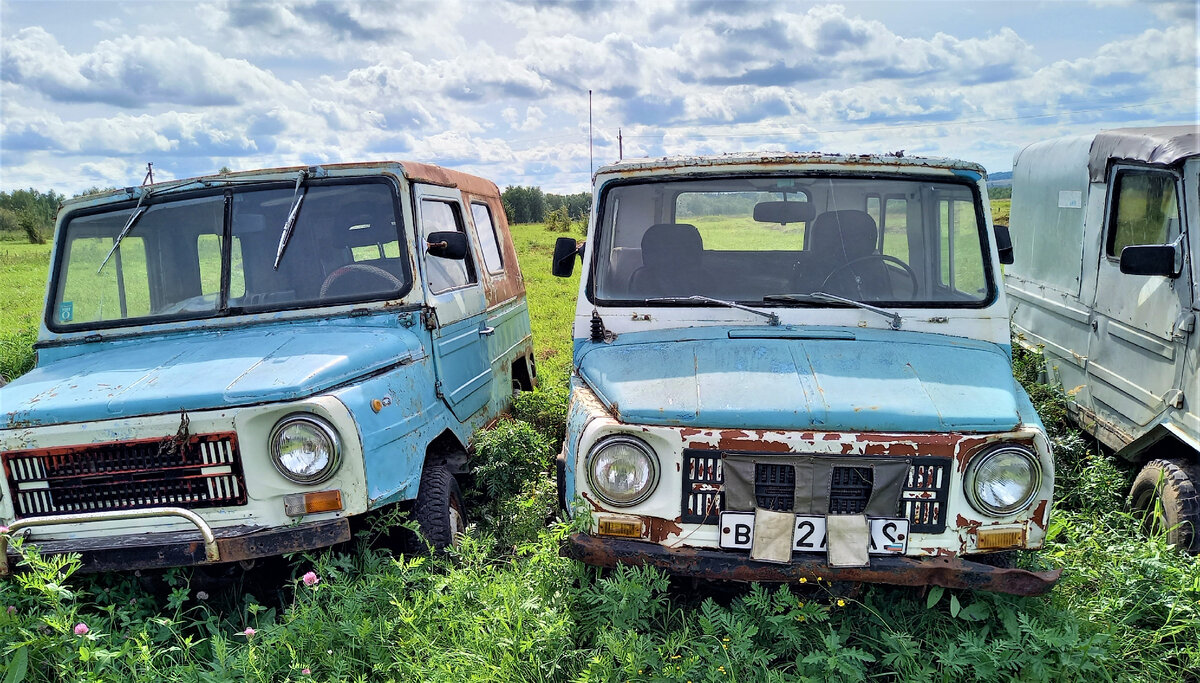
(591, 164)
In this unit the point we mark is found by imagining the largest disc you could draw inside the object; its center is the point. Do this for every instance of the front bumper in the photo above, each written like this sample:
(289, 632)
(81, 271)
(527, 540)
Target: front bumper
(950, 572)
(184, 548)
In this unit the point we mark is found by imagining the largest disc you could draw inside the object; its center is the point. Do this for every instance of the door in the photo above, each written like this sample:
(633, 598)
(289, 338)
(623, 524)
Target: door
(1139, 323)
(455, 293)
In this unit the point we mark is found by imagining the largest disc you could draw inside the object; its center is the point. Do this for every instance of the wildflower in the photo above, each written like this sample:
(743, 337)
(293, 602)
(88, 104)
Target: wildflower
(803, 580)
(818, 578)
(306, 671)
(801, 604)
(800, 618)
(249, 632)
(81, 629)
(841, 602)
(310, 579)
(3, 529)
(201, 595)
(12, 609)
(721, 669)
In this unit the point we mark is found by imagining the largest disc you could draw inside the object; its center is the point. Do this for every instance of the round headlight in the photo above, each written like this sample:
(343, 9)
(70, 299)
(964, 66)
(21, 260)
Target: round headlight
(305, 449)
(1003, 480)
(622, 470)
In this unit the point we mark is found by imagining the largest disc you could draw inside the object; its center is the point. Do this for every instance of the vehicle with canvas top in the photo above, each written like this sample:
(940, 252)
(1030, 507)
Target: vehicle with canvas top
(798, 366)
(233, 366)
(1104, 227)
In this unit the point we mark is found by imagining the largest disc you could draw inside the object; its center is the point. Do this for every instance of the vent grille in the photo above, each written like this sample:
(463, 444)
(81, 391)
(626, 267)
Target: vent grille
(196, 472)
(850, 490)
(775, 486)
(926, 490)
(703, 480)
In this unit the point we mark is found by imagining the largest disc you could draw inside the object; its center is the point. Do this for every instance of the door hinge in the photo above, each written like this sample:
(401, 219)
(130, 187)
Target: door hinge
(1185, 325)
(1174, 398)
(437, 389)
(429, 318)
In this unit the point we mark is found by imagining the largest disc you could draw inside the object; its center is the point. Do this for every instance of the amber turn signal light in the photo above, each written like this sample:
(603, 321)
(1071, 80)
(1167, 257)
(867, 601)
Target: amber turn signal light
(619, 526)
(296, 504)
(998, 539)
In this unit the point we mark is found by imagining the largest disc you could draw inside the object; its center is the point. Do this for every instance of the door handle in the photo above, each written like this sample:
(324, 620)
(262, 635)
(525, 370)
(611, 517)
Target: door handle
(486, 331)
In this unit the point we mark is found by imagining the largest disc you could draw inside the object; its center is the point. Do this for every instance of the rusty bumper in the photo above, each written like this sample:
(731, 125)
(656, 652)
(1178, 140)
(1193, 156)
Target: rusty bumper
(951, 572)
(183, 548)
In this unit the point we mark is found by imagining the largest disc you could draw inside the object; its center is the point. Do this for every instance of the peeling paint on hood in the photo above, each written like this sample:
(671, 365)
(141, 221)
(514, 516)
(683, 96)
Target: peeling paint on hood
(873, 381)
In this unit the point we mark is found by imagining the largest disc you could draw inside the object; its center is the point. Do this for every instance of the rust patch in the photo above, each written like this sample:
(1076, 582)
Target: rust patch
(743, 444)
(970, 525)
(1041, 514)
(661, 528)
(595, 506)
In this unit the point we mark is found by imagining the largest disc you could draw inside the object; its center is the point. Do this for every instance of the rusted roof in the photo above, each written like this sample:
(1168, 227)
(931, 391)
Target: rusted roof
(775, 158)
(1164, 145)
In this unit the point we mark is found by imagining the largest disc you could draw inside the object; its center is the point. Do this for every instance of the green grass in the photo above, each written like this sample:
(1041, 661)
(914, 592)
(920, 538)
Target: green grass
(507, 607)
(23, 271)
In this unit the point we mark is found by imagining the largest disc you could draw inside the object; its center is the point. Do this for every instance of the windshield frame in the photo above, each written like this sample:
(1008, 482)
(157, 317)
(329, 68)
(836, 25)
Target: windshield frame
(223, 311)
(602, 202)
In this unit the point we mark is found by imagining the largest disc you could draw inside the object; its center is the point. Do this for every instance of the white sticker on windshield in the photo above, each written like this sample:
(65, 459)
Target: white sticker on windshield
(1070, 199)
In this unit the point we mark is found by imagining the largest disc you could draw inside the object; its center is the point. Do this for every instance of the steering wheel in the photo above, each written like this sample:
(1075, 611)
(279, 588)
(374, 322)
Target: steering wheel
(884, 258)
(362, 268)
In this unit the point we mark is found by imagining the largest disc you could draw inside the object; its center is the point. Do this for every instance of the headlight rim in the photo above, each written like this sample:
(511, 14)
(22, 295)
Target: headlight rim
(331, 432)
(973, 467)
(639, 444)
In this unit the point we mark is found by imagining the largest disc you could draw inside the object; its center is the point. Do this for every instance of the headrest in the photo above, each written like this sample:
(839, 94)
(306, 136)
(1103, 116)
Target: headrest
(848, 233)
(670, 240)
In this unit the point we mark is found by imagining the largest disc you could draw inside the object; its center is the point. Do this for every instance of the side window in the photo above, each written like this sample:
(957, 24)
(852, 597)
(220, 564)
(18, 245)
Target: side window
(1145, 210)
(488, 243)
(208, 249)
(442, 273)
(894, 229)
(961, 253)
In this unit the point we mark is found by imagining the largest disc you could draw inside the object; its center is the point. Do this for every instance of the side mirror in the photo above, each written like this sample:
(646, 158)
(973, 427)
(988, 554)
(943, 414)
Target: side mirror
(565, 251)
(449, 244)
(784, 212)
(1150, 259)
(1004, 245)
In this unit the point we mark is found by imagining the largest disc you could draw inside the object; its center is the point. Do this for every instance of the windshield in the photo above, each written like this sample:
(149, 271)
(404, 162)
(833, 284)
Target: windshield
(174, 263)
(901, 241)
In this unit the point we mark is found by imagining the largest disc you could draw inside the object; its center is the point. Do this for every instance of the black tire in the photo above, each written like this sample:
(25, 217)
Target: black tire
(1168, 484)
(440, 512)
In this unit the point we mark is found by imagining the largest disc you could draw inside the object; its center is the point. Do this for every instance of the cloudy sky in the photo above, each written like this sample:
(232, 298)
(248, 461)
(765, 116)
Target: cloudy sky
(91, 91)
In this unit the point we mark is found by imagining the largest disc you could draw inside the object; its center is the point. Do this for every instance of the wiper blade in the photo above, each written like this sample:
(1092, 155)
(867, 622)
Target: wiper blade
(133, 218)
(771, 317)
(290, 224)
(825, 297)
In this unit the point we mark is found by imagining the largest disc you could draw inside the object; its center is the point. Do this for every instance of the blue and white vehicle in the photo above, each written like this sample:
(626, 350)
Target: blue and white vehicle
(233, 366)
(792, 366)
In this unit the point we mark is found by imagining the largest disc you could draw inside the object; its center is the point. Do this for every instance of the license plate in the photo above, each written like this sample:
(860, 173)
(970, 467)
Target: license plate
(888, 536)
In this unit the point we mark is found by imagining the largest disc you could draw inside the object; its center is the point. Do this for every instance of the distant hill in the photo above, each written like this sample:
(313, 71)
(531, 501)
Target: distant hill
(1000, 179)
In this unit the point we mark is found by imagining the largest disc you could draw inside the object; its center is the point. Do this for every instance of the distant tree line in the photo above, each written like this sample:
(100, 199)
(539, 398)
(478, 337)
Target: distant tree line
(531, 205)
(28, 214)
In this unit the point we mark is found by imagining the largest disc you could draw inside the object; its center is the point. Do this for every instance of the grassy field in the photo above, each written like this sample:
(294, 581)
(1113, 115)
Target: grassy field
(506, 607)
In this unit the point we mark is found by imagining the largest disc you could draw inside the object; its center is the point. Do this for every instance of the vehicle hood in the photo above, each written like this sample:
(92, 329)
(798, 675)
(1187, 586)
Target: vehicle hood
(201, 371)
(805, 378)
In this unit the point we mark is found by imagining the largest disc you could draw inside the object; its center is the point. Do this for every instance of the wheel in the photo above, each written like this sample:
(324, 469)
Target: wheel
(1165, 496)
(359, 268)
(439, 509)
(883, 258)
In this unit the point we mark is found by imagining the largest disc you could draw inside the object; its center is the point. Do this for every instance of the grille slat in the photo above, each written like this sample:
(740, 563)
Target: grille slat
(127, 475)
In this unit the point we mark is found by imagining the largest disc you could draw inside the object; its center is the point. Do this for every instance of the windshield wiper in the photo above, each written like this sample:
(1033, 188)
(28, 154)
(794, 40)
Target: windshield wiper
(133, 218)
(771, 317)
(824, 297)
(290, 223)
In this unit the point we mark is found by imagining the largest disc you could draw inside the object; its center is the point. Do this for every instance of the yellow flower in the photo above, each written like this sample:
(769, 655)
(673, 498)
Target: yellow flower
(725, 639)
(818, 578)
(841, 603)
(800, 604)
(803, 580)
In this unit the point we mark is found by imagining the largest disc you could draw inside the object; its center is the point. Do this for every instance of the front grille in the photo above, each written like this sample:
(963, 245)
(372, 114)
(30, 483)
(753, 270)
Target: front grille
(922, 499)
(197, 471)
(774, 486)
(850, 490)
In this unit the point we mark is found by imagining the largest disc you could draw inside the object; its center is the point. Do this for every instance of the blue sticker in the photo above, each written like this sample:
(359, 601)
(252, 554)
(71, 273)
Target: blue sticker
(66, 311)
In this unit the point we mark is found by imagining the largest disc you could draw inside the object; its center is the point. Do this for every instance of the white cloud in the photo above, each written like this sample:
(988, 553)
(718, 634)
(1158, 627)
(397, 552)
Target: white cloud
(132, 72)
